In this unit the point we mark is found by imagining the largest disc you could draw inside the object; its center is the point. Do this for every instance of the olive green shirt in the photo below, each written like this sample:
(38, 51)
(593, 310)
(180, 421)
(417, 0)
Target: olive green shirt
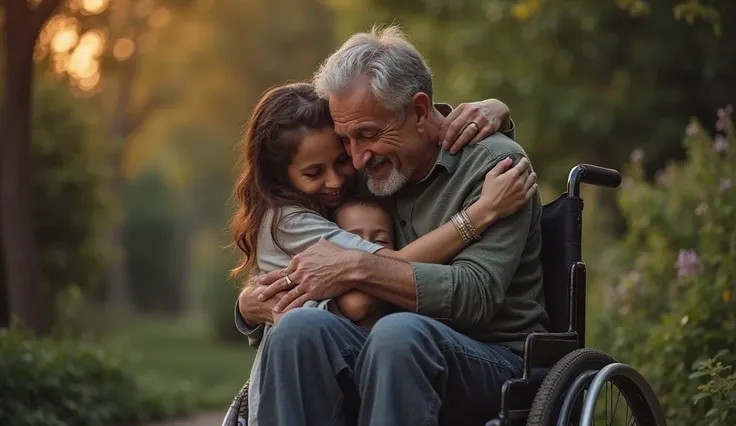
(492, 290)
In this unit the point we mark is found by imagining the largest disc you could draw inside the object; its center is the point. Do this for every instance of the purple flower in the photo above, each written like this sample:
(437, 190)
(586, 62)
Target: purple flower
(725, 184)
(687, 263)
(691, 129)
(720, 144)
(636, 156)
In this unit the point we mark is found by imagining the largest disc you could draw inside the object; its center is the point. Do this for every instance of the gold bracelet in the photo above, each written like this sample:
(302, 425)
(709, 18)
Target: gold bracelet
(457, 220)
(466, 228)
(473, 232)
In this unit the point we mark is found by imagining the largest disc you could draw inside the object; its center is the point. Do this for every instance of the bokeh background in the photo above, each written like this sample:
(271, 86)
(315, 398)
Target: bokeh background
(116, 181)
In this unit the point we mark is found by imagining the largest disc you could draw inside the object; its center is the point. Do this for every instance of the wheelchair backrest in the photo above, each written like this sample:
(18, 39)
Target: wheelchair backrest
(561, 248)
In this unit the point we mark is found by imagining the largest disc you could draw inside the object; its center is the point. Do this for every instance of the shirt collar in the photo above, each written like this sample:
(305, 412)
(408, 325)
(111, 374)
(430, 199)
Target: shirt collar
(444, 158)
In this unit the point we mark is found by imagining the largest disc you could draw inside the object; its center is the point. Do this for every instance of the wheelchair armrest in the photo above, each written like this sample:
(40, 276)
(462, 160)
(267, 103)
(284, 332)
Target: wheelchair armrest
(543, 350)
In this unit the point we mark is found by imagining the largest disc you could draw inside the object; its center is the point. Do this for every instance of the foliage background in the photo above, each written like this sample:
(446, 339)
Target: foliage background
(138, 107)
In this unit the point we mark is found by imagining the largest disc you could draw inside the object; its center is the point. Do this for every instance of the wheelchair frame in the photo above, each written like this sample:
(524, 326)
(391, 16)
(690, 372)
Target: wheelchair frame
(543, 350)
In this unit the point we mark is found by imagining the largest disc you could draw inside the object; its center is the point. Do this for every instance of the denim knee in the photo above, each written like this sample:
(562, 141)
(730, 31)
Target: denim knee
(399, 335)
(299, 326)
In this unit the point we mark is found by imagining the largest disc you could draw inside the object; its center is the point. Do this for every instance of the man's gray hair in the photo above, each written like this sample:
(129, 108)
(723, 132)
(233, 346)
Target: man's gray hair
(397, 71)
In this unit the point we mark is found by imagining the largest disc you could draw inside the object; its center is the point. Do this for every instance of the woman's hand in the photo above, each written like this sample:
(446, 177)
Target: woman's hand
(506, 189)
(254, 311)
(472, 122)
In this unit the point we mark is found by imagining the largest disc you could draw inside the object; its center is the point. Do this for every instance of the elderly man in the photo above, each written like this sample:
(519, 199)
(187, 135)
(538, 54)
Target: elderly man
(460, 330)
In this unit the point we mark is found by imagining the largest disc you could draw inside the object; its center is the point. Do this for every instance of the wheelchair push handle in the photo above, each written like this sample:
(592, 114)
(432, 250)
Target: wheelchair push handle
(591, 175)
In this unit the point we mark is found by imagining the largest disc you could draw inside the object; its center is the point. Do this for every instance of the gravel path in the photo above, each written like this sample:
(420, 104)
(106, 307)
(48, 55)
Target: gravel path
(202, 419)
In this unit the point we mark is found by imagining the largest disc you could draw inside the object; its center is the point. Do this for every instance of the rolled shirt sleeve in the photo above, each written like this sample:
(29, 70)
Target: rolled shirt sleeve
(469, 291)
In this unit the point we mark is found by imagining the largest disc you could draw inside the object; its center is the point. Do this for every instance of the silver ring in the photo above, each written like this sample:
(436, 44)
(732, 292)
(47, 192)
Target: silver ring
(477, 128)
(289, 281)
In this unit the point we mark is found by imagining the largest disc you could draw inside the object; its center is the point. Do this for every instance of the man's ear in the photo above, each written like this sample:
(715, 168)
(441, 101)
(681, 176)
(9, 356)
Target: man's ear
(421, 109)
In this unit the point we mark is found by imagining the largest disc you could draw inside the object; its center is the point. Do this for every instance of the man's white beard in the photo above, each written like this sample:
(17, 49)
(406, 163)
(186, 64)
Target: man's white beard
(388, 185)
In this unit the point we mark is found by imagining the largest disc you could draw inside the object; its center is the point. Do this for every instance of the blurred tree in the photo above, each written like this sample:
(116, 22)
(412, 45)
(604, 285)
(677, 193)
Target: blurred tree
(23, 21)
(100, 46)
(69, 180)
(69, 200)
(150, 237)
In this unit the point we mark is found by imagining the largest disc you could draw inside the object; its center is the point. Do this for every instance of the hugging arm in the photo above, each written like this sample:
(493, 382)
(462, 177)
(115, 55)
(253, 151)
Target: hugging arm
(472, 284)
(468, 291)
(488, 116)
(504, 191)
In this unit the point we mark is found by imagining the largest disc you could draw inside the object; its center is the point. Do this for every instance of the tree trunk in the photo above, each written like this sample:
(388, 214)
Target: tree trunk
(118, 289)
(4, 305)
(22, 272)
(119, 293)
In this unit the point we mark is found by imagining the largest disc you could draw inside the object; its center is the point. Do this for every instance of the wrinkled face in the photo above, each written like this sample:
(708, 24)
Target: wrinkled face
(370, 223)
(321, 167)
(390, 151)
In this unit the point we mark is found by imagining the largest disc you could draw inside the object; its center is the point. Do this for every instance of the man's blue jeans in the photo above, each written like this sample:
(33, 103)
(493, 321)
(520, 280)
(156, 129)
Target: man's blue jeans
(320, 369)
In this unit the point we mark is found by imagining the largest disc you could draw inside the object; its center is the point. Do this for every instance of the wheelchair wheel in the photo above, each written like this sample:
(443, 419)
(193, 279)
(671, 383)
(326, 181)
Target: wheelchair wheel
(237, 414)
(585, 388)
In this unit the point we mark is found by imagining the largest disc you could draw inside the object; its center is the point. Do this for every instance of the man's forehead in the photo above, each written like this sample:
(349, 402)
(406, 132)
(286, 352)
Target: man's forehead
(357, 108)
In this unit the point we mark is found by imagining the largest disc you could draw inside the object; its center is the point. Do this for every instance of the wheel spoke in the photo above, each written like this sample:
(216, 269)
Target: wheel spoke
(616, 406)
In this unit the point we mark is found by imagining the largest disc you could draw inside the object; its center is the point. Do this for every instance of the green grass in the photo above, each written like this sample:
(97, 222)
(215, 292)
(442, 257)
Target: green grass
(177, 349)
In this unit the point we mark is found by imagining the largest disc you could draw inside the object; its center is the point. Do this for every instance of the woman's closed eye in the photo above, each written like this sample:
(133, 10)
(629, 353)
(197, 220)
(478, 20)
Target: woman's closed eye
(312, 172)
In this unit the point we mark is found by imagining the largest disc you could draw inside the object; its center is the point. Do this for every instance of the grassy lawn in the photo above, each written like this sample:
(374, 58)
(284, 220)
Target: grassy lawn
(178, 349)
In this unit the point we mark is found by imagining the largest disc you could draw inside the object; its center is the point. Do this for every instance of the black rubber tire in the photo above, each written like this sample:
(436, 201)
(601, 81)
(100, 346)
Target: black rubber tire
(547, 403)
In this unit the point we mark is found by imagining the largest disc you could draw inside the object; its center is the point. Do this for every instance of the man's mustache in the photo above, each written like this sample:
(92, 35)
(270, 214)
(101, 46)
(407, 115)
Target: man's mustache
(376, 161)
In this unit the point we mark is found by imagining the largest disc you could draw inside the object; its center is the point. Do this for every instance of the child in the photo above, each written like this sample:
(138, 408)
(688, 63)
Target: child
(368, 219)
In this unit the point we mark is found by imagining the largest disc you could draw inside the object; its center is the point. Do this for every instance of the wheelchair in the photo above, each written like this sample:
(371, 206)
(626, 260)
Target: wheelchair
(562, 382)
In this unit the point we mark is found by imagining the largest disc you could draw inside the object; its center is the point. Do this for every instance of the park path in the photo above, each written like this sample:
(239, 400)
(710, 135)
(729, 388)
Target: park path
(202, 419)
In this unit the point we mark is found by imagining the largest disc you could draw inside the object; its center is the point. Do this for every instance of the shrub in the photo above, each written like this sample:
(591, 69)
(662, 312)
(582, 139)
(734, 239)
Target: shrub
(672, 309)
(720, 390)
(220, 294)
(155, 259)
(62, 382)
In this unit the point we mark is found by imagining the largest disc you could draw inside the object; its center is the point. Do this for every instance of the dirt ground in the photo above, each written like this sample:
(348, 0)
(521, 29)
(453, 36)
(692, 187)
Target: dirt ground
(203, 419)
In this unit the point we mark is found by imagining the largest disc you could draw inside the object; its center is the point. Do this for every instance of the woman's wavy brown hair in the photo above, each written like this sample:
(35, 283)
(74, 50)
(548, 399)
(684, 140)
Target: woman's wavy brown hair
(282, 118)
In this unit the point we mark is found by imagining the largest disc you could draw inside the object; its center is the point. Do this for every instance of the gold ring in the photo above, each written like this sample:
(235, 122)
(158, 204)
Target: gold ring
(289, 281)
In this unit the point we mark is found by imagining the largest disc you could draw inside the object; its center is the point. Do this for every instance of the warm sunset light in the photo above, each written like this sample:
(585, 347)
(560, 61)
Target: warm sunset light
(123, 49)
(94, 6)
(159, 18)
(64, 40)
(144, 8)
